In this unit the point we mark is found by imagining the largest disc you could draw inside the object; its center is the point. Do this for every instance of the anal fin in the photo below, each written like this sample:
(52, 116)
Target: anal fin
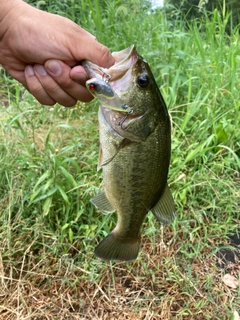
(102, 203)
(164, 210)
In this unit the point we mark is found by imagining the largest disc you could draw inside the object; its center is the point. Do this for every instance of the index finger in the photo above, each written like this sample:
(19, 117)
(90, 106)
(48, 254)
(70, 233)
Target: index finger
(94, 51)
(101, 56)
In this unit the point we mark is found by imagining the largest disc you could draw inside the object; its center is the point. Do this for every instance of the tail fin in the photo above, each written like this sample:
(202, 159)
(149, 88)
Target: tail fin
(110, 248)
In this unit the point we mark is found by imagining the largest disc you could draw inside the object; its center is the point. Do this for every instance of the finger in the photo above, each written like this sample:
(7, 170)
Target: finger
(101, 55)
(53, 89)
(89, 48)
(75, 87)
(79, 74)
(35, 87)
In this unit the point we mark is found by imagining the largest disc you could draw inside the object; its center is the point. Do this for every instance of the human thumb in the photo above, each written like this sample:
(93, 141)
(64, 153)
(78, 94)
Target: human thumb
(89, 48)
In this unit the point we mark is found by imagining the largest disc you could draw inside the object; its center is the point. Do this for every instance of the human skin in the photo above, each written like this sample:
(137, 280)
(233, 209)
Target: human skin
(42, 51)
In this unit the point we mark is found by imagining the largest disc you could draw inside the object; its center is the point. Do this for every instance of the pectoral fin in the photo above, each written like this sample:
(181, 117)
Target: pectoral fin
(106, 157)
(102, 203)
(164, 210)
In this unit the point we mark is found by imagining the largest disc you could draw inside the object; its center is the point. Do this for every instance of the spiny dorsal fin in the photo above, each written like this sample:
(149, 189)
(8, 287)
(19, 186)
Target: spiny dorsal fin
(102, 203)
(164, 210)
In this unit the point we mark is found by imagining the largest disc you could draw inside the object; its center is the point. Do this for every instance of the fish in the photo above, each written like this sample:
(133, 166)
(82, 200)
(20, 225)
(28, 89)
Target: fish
(134, 153)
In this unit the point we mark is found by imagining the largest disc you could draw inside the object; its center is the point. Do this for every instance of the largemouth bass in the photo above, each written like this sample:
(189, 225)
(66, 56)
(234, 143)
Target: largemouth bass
(135, 147)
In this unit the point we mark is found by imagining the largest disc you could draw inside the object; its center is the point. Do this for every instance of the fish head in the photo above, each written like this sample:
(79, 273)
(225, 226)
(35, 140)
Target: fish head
(128, 86)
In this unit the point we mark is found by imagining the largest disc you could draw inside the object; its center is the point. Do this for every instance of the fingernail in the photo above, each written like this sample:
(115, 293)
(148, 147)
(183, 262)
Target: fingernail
(40, 69)
(54, 67)
(29, 71)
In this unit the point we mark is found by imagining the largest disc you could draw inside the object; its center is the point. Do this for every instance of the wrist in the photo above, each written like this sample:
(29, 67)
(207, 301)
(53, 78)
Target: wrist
(10, 11)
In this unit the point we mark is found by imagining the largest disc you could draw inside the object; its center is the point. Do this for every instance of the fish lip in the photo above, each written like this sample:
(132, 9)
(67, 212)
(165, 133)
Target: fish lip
(115, 80)
(124, 60)
(93, 70)
(124, 56)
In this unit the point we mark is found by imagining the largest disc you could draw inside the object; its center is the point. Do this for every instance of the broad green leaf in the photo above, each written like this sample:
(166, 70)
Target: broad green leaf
(68, 176)
(45, 195)
(43, 177)
(47, 205)
(70, 235)
(63, 194)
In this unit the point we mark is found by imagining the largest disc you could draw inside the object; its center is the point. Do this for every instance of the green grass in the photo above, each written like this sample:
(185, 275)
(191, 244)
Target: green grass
(49, 228)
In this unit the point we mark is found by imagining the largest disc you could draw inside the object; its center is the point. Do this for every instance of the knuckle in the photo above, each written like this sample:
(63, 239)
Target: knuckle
(35, 87)
(105, 53)
(39, 93)
(66, 84)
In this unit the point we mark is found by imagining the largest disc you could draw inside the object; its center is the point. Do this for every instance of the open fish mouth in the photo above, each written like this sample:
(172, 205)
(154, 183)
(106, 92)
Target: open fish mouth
(108, 85)
(125, 59)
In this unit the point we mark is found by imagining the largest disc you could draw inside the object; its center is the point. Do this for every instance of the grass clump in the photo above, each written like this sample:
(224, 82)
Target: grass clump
(48, 227)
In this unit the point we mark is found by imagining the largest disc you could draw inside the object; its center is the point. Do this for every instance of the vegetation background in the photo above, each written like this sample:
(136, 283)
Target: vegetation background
(192, 9)
(48, 227)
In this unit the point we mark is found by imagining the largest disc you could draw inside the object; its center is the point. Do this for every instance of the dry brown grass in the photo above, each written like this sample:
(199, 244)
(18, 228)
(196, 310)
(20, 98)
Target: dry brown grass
(159, 285)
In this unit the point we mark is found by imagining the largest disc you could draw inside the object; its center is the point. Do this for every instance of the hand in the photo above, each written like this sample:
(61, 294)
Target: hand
(41, 50)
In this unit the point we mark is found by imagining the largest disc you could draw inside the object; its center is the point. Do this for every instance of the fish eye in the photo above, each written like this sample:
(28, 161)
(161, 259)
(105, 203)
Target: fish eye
(143, 80)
